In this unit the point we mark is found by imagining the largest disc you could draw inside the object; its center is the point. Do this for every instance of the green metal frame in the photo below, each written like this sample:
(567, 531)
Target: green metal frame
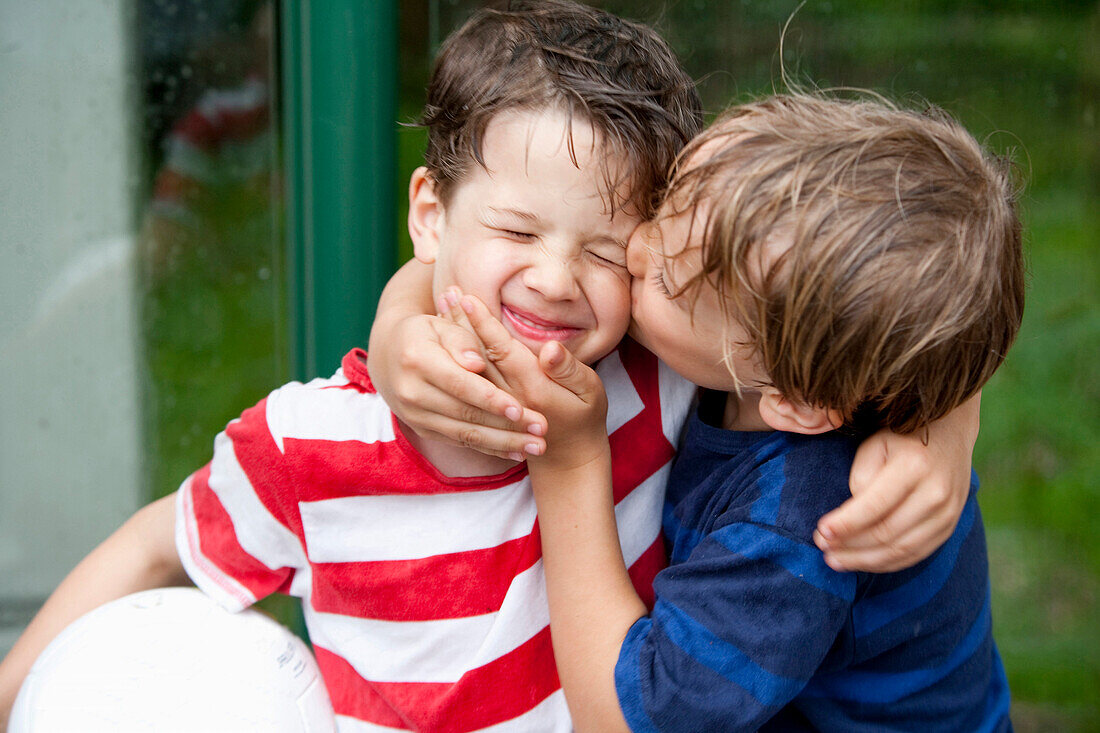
(339, 91)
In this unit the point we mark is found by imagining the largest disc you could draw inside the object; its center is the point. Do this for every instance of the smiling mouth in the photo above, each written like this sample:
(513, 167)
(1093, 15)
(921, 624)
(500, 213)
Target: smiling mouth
(528, 326)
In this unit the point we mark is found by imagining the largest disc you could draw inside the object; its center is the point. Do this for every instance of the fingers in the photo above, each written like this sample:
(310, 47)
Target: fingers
(878, 487)
(559, 364)
(900, 541)
(462, 345)
(454, 416)
(509, 356)
(429, 383)
(900, 512)
(477, 402)
(510, 444)
(482, 403)
(450, 307)
(448, 402)
(472, 397)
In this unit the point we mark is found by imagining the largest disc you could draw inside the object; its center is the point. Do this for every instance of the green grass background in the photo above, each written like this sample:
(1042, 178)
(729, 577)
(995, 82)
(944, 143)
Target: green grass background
(1024, 76)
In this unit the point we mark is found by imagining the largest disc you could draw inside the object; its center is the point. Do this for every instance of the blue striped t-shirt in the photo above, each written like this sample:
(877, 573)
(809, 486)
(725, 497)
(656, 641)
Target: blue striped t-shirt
(752, 630)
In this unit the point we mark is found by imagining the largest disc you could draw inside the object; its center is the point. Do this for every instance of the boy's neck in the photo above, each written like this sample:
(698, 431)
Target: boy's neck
(455, 461)
(742, 412)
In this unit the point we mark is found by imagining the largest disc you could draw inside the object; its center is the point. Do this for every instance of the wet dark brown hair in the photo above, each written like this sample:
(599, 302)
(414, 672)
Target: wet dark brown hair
(873, 254)
(619, 76)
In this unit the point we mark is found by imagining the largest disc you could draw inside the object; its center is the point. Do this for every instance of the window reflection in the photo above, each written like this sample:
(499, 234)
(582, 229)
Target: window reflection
(210, 248)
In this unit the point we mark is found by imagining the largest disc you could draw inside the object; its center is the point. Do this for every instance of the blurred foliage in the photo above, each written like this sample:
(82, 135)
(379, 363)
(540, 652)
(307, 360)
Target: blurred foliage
(1025, 78)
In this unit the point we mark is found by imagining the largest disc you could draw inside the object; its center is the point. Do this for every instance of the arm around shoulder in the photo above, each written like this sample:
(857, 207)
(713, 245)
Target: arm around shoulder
(140, 555)
(908, 493)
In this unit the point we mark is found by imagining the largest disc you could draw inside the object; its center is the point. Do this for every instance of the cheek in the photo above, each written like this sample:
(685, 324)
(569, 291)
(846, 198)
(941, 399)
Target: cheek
(670, 329)
(484, 271)
(612, 296)
(649, 302)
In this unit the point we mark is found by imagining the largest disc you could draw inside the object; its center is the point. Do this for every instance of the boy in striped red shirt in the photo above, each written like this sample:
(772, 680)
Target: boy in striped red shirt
(551, 126)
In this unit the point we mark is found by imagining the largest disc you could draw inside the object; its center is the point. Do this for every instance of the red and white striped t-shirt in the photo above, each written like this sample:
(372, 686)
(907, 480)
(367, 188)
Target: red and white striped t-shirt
(424, 595)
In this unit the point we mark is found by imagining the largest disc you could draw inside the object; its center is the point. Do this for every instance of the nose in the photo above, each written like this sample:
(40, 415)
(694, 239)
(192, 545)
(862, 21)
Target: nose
(637, 250)
(552, 276)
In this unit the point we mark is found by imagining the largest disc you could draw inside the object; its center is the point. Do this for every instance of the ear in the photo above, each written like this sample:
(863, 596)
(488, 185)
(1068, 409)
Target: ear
(795, 416)
(425, 216)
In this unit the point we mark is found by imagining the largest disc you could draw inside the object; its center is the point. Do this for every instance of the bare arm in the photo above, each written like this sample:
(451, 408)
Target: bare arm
(427, 368)
(140, 555)
(592, 601)
(907, 496)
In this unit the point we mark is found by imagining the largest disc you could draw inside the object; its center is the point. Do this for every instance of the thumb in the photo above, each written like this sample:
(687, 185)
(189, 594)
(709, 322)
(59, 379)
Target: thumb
(559, 364)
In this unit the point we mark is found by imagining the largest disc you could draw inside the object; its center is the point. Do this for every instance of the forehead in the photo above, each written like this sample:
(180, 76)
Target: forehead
(714, 173)
(549, 133)
(681, 229)
(710, 155)
(550, 141)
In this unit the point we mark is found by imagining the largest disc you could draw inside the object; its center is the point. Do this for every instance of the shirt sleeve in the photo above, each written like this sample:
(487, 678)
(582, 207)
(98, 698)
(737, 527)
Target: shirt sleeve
(738, 629)
(236, 517)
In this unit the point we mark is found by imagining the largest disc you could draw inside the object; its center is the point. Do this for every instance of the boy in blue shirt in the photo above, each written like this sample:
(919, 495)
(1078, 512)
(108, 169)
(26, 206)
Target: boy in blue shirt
(822, 268)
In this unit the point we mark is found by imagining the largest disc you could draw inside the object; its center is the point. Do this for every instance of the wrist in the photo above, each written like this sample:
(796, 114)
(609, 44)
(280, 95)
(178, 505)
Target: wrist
(959, 428)
(575, 479)
(573, 459)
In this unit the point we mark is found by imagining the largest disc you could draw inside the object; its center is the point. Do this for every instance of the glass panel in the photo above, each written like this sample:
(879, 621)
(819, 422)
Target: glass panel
(1025, 76)
(70, 443)
(142, 280)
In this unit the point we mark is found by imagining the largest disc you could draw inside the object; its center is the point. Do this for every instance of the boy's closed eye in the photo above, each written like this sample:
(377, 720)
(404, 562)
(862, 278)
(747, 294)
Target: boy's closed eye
(511, 224)
(513, 234)
(609, 252)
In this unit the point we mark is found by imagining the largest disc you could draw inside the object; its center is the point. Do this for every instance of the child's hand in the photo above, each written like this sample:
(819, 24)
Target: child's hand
(566, 391)
(427, 371)
(906, 496)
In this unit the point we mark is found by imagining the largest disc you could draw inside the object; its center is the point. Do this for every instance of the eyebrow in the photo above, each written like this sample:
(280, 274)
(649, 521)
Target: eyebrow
(611, 240)
(518, 213)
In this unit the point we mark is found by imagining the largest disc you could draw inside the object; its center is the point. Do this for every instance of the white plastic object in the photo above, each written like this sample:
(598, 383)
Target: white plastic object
(172, 660)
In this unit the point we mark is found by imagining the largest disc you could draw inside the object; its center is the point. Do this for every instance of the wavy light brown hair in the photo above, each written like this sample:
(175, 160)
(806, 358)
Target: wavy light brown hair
(619, 76)
(873, 254)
